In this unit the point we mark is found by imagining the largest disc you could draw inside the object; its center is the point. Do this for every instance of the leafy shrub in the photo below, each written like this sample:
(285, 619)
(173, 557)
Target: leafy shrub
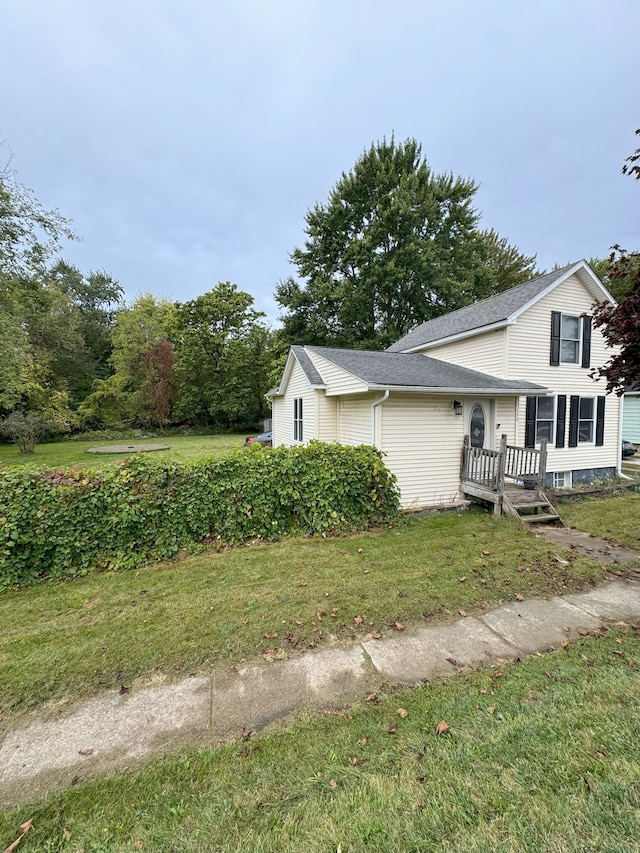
(67, 522)
(26, 429)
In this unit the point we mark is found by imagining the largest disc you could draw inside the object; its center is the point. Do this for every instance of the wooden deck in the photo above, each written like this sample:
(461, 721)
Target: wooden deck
(511, 478)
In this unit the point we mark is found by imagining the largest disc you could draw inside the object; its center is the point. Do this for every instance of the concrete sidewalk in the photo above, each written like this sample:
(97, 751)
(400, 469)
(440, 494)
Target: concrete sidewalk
(114, 731)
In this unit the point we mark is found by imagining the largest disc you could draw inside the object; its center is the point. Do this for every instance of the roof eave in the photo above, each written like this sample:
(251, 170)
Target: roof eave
(536, 391)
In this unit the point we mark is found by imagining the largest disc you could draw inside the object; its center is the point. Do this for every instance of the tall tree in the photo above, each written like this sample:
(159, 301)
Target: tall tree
(222, 346)
(621, 324)
(142, 388)
(396, 244)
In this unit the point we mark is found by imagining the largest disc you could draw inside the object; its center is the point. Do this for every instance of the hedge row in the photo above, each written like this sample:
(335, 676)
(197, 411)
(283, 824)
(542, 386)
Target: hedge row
(64, 523)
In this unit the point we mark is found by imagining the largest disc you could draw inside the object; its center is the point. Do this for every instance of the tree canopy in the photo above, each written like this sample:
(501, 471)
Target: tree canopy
(396, 244)
(620, 324)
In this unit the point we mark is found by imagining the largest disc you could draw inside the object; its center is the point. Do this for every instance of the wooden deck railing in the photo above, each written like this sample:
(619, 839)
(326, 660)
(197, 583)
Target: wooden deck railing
(490, 468)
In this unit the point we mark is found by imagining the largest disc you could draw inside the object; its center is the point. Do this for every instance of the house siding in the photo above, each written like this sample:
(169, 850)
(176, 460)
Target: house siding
(282, 410)
(528, 345)
(354, 419)
(485, 352)
(338, 381)
(631, 418)
(422, 439)
(327, 417)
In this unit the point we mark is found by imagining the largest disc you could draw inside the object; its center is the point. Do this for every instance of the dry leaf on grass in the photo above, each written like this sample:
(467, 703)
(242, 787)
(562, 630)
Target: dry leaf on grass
(442, 728)
(402, 713)
(25, 827)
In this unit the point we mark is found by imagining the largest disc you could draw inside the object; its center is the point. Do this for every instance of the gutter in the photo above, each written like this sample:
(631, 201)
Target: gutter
(374, 406)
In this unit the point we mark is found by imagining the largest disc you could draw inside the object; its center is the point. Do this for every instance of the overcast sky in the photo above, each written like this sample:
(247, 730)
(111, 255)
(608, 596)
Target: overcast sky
(186, 139)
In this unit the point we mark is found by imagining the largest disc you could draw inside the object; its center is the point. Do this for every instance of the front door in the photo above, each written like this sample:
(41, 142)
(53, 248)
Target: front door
(479, 422)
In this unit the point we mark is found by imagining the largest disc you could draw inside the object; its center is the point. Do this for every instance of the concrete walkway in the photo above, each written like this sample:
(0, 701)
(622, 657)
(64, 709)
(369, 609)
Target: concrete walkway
(113, 731)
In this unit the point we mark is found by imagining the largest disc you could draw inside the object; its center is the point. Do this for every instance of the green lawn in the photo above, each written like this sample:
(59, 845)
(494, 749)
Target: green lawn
(69, 640)
(70, 454)
(540, 756)
(616, 518)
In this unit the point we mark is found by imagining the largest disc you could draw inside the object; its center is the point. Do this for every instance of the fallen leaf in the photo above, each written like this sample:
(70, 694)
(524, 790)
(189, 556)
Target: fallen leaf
(25, 827)
(485, 553)
(137, 845)
(360, 550)
(299, 622)
(399, 626)
(366, 572)
(66, 834)
(519, 597)
(333, 783)
(123, 689)
(85, 751)
(402, 713)
(482, 581)
(357, 620)
(376, 635)
(393, 728)
(302, 583)
(363, 741)
(491, 709)
(372, 697)
(619, 640)
(462, 612)
(246, 733)
(462, 579)
(442, 728)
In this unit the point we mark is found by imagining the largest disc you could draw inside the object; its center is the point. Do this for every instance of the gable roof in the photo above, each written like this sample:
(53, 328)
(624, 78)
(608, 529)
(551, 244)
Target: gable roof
(500, 310)
(381, 371)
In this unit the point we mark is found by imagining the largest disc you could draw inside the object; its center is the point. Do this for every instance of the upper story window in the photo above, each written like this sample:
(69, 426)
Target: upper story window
(570, 339)
(297, 419)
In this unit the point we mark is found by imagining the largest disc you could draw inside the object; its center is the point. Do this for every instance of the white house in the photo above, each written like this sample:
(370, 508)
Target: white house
(515, 365)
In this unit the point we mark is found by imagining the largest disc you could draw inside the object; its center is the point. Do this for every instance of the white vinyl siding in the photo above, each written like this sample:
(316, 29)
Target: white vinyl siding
(327, 409)
(422, 439)
(283, 409)
(485, 352)
(338, 381)
(528, 358)
(354, 419)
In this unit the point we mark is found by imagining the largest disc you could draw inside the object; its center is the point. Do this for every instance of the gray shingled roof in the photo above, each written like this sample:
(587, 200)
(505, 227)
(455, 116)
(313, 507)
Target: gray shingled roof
(495, 309)
(404, 370)
(307, 365)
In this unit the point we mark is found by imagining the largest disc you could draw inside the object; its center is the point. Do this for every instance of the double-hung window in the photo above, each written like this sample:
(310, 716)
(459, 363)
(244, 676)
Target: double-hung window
(570, 339)
(297, 419)
(586, 418)
(541, 417)
(586, 421)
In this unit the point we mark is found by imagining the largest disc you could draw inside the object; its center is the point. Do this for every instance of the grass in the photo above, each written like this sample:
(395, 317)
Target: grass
(69, 640)
(614, 518)
(541, 755)
(73, 454)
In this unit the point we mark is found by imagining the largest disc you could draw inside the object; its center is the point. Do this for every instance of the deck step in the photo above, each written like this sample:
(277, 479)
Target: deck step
(538, 517)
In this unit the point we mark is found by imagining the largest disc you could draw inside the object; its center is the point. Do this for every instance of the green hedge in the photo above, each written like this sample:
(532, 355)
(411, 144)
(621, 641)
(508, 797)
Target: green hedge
(67, 522)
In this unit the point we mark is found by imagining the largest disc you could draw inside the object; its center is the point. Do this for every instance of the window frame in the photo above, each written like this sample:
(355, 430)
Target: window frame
(564, 485)
(592, 420)
(578, 340)
(552, 421)
(298, 419)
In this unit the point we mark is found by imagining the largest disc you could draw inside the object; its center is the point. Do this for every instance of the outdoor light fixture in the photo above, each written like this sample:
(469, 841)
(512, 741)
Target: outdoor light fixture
(457, 407)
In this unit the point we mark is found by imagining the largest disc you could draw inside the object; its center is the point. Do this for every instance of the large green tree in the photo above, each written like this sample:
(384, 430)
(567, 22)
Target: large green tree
(141, 390)
(396, 244)
(223, 350)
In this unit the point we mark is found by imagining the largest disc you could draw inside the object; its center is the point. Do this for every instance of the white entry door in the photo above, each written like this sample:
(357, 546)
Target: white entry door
(479, 422)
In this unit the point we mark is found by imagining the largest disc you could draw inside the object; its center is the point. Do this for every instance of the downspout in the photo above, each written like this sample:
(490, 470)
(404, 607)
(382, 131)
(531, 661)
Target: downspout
(374, 405)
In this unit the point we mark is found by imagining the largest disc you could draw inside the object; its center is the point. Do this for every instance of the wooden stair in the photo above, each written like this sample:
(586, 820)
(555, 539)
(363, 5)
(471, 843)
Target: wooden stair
(530, 506)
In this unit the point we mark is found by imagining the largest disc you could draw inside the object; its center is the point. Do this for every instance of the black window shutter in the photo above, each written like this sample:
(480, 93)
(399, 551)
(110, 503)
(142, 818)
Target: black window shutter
(530, 424)
(554, 357)
(574, 408)
(600, 422)
(586, 341)
(561, 419)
